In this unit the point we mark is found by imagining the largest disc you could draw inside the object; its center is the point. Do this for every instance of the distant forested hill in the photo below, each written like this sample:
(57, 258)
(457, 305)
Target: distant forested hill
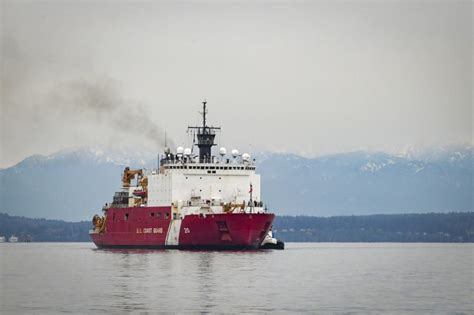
(42, 230)
(430, 227)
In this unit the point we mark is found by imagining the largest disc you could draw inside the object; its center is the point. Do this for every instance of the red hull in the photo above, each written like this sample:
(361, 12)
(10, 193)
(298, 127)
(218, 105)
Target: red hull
(149, 227)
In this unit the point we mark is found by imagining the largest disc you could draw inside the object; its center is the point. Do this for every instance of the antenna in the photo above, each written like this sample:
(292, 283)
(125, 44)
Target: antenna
(203, 113)
(205, 136)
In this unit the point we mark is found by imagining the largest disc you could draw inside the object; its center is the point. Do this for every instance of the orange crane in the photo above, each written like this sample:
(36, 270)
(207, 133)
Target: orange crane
(129, 174)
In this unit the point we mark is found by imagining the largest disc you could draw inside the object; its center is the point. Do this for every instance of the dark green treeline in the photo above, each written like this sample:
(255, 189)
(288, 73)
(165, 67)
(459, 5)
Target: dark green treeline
(430, 227)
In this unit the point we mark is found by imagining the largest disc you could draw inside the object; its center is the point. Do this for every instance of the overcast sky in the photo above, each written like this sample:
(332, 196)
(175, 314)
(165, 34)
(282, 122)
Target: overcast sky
(310, 77)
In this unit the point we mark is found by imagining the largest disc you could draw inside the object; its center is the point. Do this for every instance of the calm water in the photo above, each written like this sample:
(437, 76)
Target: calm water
(315, 277)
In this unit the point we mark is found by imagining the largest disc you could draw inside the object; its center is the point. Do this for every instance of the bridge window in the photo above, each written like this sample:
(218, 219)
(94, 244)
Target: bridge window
(167, 215)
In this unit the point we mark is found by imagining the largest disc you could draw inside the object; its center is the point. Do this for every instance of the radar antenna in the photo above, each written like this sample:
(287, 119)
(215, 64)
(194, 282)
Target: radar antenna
(203, 113)
(205, 135)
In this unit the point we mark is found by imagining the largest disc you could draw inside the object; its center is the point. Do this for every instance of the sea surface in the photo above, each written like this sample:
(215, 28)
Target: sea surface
(361, 278)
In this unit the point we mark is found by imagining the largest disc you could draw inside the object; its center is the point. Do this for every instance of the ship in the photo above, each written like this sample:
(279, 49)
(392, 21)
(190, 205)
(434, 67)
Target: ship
(13, 239)
(193, 200)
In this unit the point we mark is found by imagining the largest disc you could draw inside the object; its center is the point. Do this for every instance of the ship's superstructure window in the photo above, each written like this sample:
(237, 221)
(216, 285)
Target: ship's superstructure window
(152, 214)
(125, 217)
(167, 215)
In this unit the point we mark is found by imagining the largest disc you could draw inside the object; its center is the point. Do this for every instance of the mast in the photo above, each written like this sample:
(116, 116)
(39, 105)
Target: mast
(205, 135)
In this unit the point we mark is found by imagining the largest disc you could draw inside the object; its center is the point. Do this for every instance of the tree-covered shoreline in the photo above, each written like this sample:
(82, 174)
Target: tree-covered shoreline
(455, 227)
(429, 227)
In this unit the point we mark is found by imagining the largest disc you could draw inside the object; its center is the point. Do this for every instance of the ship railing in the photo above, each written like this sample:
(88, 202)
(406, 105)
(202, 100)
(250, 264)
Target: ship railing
(183, 160)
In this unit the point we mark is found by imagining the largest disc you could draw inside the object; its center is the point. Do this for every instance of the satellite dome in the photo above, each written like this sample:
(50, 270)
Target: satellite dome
(235, 152)
(180, 150)
(222, 151)
(246, 157)
(187, 151)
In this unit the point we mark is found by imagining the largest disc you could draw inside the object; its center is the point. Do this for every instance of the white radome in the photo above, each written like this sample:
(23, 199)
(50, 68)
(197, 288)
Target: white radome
(246, 157)
(235, 153)
(180, 150)
(222, 151)
(187, 151)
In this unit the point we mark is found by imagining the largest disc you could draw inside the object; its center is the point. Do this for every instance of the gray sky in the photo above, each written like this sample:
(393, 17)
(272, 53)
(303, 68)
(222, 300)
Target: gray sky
(309, 77)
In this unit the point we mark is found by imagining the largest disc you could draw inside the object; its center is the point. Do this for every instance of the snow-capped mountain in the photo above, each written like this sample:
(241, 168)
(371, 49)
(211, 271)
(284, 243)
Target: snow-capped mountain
(74, 184)
(367, 183)
(98, 155)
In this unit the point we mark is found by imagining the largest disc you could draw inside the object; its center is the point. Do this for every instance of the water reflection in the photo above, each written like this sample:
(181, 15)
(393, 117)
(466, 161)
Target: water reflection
(189, 280)
(206, 280)
(340, 278)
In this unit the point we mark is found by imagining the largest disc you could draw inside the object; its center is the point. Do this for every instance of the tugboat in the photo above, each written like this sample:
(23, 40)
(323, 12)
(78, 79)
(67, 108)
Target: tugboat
(269, 242)
(13, 239)
(192, 201)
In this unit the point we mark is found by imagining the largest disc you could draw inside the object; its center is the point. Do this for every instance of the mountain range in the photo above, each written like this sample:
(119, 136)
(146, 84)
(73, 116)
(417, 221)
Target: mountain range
(73, 185)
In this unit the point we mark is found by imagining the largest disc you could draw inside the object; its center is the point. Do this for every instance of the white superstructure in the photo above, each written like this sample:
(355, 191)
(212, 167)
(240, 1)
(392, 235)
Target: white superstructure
(214, 184)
